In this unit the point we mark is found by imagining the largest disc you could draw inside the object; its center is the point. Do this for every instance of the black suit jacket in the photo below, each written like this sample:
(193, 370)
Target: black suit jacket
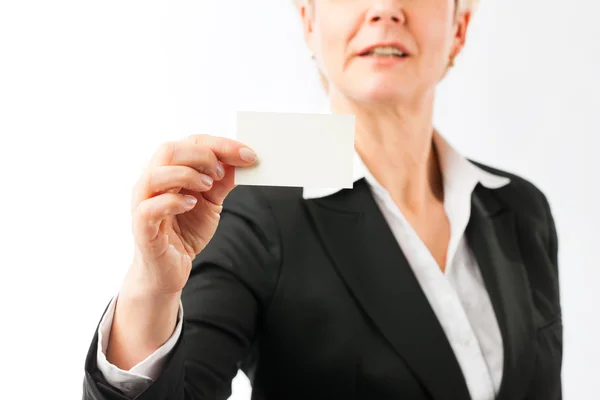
(313, 299)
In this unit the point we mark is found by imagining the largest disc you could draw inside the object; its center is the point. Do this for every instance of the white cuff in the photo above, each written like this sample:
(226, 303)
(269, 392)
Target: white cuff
(142, 375)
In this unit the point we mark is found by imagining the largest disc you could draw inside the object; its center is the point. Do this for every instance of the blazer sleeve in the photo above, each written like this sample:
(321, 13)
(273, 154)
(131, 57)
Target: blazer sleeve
(541, 388)
(553, 253)
(552, 241)
(232, 281)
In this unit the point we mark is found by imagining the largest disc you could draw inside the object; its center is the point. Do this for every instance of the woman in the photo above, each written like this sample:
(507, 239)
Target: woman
(433, 278)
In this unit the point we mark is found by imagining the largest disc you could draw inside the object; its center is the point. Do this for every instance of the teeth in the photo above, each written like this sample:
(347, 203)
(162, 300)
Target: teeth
(386, 51)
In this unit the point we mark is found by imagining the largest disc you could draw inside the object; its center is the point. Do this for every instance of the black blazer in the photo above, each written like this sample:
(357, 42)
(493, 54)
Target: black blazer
(313, 299)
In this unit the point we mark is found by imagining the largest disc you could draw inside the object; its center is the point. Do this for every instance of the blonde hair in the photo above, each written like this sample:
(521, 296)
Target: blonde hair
(462, 6)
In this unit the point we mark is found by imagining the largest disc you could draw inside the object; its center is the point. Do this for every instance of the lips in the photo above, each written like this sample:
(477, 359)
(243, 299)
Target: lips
(384, 52)
(385, 49)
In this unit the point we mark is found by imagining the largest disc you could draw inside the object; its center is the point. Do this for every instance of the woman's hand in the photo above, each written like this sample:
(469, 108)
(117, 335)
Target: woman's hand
(176, 206)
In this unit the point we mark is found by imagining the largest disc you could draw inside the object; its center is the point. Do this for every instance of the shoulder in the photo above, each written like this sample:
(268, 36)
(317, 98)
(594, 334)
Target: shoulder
(520, 194)
(247, 243)
(268, 209)
(525, 199)
(262, 199)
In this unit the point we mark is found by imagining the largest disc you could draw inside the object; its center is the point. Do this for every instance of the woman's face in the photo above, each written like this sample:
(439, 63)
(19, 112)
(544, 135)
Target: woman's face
(384, 50)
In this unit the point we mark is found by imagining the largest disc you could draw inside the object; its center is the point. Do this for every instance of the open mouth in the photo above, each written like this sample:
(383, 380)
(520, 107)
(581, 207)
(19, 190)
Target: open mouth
(384, 51)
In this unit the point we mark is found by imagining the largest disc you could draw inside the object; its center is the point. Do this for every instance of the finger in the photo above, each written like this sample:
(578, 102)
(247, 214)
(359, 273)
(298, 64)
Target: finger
(170, 178)
(221, 189)
(182, 153)
(228, 151)
(149, 215)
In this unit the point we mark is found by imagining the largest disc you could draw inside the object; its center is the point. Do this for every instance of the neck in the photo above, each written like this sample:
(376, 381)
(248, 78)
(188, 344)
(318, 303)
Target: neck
(395, 141)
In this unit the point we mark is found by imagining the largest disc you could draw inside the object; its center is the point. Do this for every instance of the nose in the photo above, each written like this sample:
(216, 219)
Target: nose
(386, 11)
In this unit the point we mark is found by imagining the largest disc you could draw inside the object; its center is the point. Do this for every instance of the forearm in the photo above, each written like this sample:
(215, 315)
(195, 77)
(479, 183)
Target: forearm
(142, 323)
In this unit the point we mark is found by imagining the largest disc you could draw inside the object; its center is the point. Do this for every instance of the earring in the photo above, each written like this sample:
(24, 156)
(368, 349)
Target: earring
(312, 55)
(451, 62)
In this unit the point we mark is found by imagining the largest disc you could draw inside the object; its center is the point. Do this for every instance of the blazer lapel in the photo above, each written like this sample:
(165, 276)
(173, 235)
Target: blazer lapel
(368, 258)
(493, 238)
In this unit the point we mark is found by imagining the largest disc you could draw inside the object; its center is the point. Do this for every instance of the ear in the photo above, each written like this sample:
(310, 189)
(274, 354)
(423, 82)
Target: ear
(461, 26)
(307, 14)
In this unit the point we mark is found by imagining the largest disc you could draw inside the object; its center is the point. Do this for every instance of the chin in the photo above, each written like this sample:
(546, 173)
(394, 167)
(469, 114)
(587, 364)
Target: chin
(380, 92)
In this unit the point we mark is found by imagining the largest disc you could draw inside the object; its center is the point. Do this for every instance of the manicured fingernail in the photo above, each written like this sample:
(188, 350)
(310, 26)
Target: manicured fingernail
(247, 155)
(190, 199)
(220, 170)
(207, 180)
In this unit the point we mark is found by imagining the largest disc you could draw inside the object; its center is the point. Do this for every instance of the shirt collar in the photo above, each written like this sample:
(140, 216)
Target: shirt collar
(457, 171)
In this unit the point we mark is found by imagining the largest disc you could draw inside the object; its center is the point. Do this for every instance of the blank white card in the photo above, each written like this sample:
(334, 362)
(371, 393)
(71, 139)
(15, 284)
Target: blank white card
(305, 150)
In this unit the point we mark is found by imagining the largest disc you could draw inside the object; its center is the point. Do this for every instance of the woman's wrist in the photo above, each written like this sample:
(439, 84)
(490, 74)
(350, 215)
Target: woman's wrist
(142, 323)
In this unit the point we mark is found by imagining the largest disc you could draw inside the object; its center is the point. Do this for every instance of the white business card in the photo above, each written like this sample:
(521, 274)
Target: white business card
(303, 150)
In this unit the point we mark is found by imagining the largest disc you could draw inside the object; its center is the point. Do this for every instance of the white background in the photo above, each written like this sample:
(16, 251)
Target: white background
(88, 90)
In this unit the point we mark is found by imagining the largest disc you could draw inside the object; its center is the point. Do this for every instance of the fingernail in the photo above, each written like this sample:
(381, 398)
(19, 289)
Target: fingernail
(190, 199)
(220, 170)
(247, 155)
(207, 180)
